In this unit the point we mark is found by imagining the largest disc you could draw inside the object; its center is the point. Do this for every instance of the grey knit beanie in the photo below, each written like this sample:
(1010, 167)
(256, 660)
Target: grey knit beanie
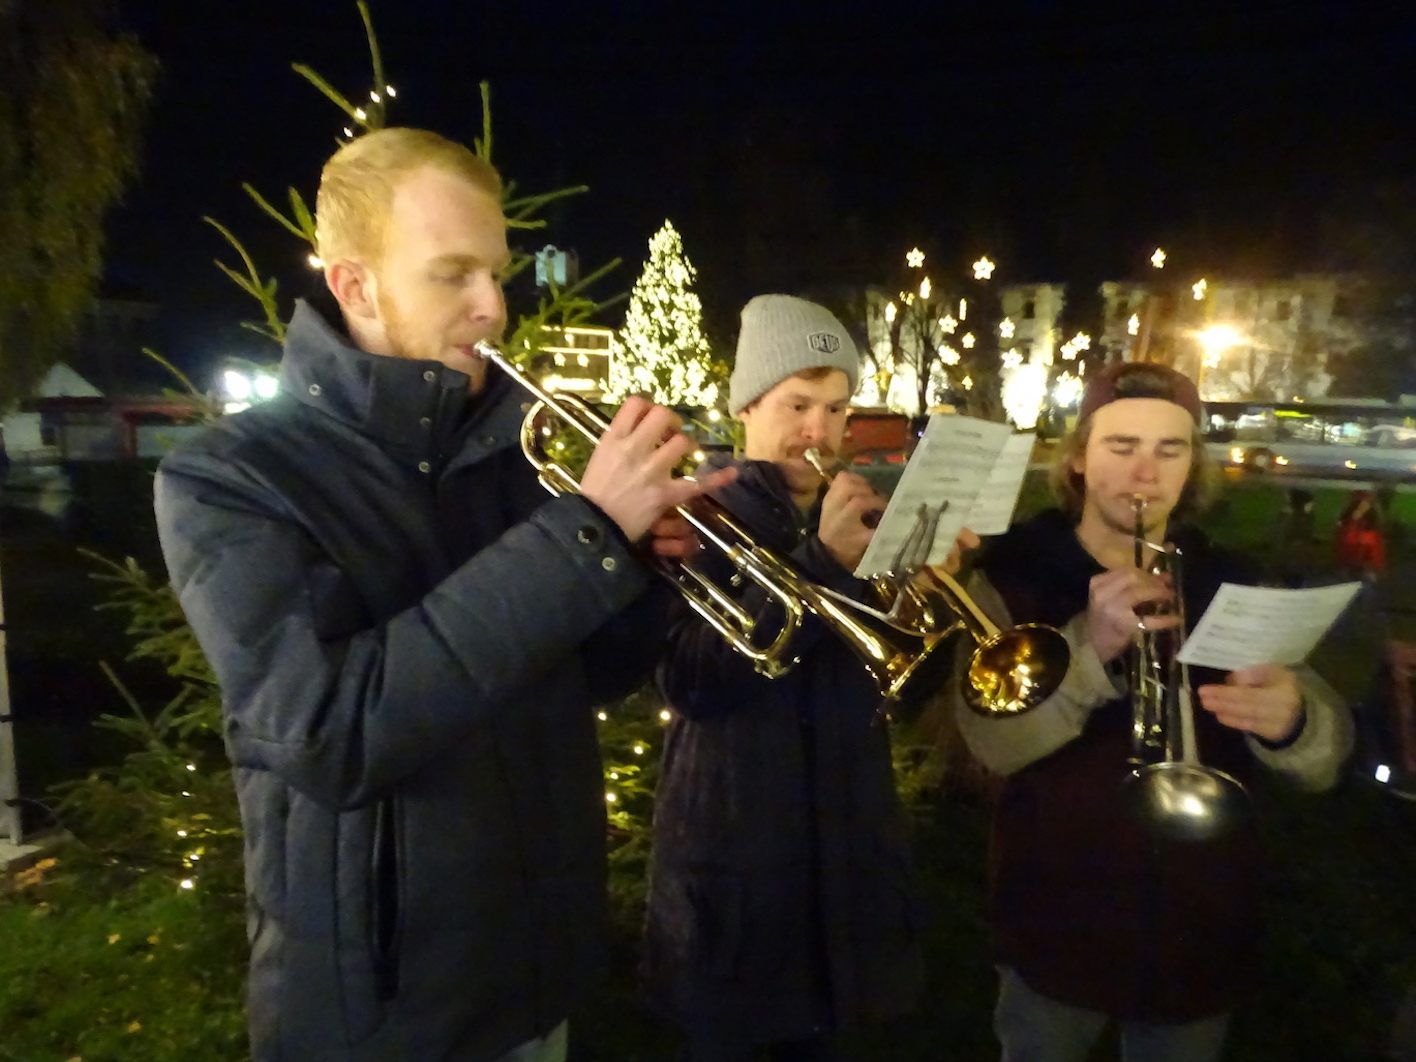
(781, 336)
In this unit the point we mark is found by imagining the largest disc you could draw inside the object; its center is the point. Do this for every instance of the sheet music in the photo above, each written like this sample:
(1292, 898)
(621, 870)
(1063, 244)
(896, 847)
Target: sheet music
(1247, 625)
(952, 463)
(992, 510)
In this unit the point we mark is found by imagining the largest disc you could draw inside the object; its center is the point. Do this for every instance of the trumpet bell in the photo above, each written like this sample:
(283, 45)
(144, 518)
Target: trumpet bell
(1016, 670)
(1186, 801)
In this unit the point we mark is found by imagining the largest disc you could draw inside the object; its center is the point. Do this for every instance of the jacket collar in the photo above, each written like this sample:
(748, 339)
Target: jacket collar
(419, 405)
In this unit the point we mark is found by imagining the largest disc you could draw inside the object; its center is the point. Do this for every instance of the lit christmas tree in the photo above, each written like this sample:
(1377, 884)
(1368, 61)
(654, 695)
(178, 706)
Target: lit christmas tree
(661, 351)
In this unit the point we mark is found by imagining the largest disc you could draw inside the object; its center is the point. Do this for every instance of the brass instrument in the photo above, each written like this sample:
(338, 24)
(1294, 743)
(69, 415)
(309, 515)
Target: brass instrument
(1168, 788)
(890, 654)
(1010, 671)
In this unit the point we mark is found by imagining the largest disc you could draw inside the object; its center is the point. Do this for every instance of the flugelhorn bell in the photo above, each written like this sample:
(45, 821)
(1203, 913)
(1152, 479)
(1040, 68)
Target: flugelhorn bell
(1010, 671)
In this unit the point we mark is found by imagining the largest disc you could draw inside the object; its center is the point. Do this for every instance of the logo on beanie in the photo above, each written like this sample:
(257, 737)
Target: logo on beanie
(824, 342)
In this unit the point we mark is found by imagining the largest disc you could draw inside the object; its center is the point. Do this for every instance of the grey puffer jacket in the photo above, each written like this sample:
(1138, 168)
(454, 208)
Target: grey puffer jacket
(781, 900)
(409, 635)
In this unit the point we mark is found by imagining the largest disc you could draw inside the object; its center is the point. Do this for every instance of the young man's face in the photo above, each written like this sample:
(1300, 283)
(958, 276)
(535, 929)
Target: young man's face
(437, 290)
(1137, 446)
(794, 416)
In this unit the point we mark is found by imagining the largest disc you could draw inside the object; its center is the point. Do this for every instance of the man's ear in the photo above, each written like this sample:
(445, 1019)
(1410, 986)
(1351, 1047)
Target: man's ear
(354, 287)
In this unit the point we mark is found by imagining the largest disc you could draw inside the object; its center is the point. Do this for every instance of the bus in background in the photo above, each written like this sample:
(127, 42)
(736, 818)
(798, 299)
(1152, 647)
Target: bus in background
(1354, 438)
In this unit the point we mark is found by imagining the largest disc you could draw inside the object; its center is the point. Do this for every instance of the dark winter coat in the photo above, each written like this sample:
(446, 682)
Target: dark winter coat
(409, 635)
(781, 899)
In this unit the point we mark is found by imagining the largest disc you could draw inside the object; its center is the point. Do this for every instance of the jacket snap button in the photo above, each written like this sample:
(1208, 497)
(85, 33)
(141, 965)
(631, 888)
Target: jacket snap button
(315, 390)
(609, 564)
(430, 376)
(425, 466)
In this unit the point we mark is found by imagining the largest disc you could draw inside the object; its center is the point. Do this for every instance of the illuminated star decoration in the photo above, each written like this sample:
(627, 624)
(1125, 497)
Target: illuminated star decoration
(1006, 328)
(968, 340)
(983, 268)
(1158, 259)
(915, 258)
(948, 324)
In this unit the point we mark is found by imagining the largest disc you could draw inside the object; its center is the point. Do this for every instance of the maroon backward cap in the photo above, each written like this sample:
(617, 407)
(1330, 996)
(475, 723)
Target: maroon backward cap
(1139, 379)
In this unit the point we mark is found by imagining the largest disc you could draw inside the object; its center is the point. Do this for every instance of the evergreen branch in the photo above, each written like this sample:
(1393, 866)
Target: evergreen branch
(265, 205)
(303, 217)
(376, 61)
(483, 144)
(127, 695)
(514, 223)
(264, 293)
(526, 204)
(181, 376)
(333, 94)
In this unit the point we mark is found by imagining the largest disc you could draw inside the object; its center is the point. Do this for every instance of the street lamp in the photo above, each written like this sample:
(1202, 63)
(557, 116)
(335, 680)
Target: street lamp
(1214, 341)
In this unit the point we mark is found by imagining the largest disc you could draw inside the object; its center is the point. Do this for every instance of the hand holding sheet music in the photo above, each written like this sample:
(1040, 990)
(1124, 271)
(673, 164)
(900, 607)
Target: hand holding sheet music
(964, 473)
(1247, 625)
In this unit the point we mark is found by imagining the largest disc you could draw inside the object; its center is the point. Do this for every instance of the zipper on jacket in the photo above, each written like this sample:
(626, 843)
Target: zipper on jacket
(383, 907)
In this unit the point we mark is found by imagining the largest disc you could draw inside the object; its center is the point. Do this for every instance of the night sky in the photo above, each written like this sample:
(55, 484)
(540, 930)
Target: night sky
(797, 147)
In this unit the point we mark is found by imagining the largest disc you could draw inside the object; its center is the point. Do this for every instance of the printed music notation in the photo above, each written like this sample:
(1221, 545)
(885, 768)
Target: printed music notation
(965, 472)
(1248, 625)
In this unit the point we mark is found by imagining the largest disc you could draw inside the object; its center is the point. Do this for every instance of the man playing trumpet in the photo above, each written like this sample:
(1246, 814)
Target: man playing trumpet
(1095, 918)
(410, 634)
(781, 906)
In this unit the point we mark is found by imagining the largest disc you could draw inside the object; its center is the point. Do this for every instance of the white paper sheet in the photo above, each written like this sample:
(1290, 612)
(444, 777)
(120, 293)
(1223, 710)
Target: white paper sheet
(1247, 625)
(957, 461)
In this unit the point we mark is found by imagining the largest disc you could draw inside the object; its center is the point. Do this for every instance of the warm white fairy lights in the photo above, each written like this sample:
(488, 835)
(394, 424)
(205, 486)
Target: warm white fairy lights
(661, 351)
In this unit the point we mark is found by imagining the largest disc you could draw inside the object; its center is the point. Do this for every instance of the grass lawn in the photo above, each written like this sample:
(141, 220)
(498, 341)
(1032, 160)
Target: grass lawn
(108, 968)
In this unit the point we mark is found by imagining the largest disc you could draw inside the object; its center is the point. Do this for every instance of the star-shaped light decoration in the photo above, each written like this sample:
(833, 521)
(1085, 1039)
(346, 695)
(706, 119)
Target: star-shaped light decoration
(968, 341)
(1133, 325)
(948, 355)
(1012, 359)
(1006, 328)
(983, 268)
(948, 324)
(914, 258)
(1158, 259)
(1199, 288)
(1082, 341)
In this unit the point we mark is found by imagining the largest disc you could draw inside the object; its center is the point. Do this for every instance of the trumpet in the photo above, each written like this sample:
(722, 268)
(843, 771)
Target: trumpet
(1168, 788)
(891, 653)
(1010, 671)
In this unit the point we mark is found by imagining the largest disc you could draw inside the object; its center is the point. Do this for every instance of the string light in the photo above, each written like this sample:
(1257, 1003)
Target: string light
(948, 355)
(360, 113)
(375, 97)
(639, 748)
(924, 288)
(1199, 288)
(1133, 324)
(665, 715)
(610, 798)
(315, 261)
(963, 309)
(1158, 259)
(390, 91)
(602, 716)
(187, 883)
(891, 311)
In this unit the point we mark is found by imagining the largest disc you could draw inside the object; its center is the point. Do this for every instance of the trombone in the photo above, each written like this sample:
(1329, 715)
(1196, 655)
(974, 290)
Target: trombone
(1010, 671)
(890, 651)
(1168, 788)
